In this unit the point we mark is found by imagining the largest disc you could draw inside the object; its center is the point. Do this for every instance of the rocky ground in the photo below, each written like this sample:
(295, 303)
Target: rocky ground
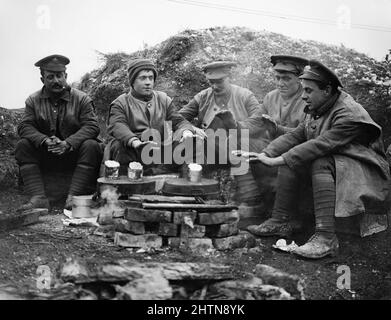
(50, 243)
(179, 60)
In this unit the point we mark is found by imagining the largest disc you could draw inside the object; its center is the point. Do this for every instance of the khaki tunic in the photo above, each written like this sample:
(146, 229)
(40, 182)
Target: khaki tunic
(287, 113)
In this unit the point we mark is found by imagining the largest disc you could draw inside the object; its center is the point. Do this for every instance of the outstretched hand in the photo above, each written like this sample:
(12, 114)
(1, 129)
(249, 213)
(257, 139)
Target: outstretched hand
(138, 144)
(261, 157)
(198, 133)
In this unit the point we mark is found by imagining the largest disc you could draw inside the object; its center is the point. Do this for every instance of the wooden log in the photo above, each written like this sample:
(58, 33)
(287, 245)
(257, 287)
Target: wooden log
(143, 215)
(186, 206)
(211, 218)
(222, 230)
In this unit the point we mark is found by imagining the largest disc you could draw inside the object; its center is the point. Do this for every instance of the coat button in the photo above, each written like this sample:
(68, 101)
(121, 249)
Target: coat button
(215, 109)
(203, 125)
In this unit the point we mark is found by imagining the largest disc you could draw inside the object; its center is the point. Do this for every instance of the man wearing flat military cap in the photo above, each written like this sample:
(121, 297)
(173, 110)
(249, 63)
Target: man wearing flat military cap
(339, 148)
(58, 131)
(227, 106)
(283, 108)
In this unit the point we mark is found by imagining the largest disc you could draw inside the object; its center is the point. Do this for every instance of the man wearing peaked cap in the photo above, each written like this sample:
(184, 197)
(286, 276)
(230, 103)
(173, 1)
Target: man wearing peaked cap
(283, 107)
(281, 111)
(226, 106)
(338, 148)
(59, 131)
(55, 62)
(136, 115)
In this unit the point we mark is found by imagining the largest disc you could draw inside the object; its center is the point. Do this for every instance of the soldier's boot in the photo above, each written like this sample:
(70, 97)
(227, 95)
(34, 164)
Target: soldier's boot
(272, 227)
(285, 201)
(320, 245)
(83, 183)
(33, 185)
(324, 242)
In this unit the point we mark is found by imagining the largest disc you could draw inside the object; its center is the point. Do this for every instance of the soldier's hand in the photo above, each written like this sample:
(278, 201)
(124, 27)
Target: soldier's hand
(199, 133)
(60, 148)
(186, 134)
(270, 123)
(138, 144)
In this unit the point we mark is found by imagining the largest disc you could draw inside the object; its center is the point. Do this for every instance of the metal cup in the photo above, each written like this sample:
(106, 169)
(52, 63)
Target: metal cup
(195, 173)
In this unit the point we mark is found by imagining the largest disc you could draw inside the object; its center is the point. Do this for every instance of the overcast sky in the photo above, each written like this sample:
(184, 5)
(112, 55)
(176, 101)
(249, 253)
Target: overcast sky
(32, 29)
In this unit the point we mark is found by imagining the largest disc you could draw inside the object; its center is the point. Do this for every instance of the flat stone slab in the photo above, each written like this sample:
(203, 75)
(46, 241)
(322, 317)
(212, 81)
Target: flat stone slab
(138, 241)
(222, 230)
(133, 227)
(193, 244)
(168, 229)
(224, 217)
(197, 231)
(143, 215)
(181, 217)
(291, 283)
(17, 220)
(242, 240)
(81, 271)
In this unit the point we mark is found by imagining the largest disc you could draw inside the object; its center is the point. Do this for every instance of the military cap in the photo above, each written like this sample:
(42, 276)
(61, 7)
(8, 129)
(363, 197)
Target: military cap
(316, 71)
(218, 69)
(288, 63)
(54, 62)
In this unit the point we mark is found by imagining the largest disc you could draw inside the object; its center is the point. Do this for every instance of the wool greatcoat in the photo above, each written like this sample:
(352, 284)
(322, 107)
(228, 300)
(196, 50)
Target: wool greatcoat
(362, 171)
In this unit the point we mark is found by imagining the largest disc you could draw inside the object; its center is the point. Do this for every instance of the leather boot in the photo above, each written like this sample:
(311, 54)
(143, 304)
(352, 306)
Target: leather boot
(320, 245)
(33, 185)
(272, 227)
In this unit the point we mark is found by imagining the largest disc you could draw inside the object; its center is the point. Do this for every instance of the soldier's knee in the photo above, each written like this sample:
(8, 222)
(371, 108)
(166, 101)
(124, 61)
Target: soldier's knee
(323, 164)
(23, 147)
(91, 145)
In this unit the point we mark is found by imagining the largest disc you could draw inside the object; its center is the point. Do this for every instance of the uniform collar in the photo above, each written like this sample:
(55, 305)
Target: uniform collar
(66, 94)
(324, 108)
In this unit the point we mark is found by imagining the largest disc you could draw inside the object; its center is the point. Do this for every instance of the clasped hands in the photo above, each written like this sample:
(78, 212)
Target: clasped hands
(261, 157)
(56, 145)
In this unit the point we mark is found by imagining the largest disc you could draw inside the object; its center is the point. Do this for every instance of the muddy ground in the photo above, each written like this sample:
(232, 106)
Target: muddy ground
(50, 243)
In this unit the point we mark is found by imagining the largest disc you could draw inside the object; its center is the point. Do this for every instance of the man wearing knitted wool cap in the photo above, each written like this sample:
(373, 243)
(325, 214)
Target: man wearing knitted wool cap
(140, 111)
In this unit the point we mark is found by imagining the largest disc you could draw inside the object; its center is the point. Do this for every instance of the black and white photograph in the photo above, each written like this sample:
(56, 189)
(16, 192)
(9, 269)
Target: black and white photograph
(195, 155)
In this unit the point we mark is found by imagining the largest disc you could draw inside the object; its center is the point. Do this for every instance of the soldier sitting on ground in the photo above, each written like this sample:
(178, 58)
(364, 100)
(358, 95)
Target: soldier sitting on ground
(58, 131)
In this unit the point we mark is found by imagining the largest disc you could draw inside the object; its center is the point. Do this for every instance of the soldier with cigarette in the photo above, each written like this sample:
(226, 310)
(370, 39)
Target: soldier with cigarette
(58, 131)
